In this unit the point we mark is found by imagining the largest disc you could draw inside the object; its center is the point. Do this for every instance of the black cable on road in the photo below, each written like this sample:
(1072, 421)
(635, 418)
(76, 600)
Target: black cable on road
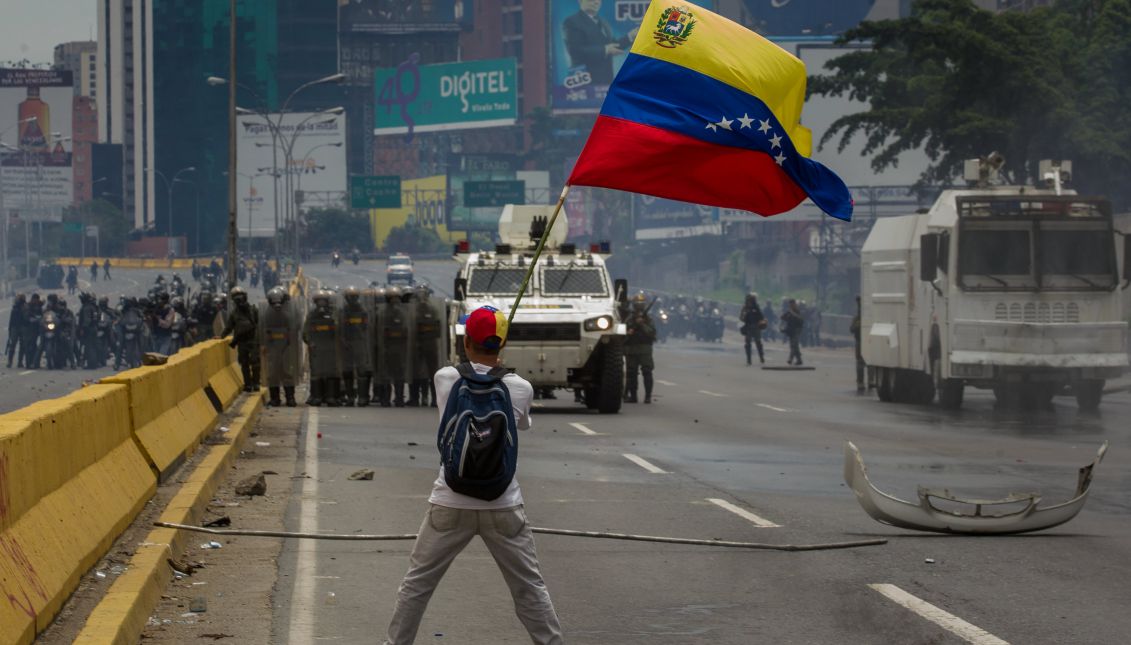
(587, 534)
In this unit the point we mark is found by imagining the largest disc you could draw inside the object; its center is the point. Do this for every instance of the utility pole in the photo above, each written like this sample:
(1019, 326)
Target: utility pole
(233, 232)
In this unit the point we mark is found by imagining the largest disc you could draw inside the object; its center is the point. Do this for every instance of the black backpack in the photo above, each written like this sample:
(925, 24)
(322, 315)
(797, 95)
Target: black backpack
(478, 437)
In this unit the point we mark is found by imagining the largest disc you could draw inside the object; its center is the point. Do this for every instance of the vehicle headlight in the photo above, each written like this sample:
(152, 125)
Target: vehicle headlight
(601, 323)
(50, 326)
(663, 316)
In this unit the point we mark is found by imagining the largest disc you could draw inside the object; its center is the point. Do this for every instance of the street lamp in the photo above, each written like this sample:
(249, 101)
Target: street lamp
(82, 217)
(196, 204)
(169, 192)
(274, 128)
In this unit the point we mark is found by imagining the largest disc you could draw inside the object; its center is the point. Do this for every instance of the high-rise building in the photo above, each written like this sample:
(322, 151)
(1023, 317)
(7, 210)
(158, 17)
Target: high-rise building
(79, 57)
(124, 90)
(84, 134)
(155, 57)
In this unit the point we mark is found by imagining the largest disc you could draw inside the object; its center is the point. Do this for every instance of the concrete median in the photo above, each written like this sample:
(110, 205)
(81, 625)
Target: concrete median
(71, 480)
(170, 408)
(121, 616)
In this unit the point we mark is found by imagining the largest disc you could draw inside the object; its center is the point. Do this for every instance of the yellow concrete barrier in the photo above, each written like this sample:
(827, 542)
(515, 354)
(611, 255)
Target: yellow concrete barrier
(121, 616)
(169, 407)
(141, 263)
(71, 480)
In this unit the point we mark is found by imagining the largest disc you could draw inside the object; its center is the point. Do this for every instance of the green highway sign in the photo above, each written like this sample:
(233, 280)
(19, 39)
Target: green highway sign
(376, 191)
(72, 227)
(493, 193)
(445, 96)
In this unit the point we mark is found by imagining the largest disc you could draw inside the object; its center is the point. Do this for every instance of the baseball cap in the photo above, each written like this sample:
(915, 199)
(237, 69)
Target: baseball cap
(486, 326)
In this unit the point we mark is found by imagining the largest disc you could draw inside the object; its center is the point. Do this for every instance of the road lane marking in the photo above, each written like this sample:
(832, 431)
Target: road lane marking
(771, 407)
(26, 372)
(760, 522)
(667, 383)
(951, 623)
(712, 393)
(302, 596)
(644, 464)
(581, 427)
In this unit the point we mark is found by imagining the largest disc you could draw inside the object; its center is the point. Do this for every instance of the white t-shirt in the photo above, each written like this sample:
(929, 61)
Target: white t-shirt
(521, 395)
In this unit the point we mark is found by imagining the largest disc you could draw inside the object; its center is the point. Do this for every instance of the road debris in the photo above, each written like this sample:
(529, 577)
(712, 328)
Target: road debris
(223, 520)
(1020, 513)
(254, 485)
(365, 474)
(545, 531)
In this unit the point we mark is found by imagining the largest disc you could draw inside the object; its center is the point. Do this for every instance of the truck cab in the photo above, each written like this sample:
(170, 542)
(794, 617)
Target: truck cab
(1010, 288)
(567, 332)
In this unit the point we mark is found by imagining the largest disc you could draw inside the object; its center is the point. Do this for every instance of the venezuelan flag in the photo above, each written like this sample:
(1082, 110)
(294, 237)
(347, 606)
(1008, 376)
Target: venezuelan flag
(706, 111)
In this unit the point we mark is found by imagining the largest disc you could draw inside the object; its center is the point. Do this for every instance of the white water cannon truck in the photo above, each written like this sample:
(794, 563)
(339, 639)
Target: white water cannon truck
(567, 331)
(1011, 288)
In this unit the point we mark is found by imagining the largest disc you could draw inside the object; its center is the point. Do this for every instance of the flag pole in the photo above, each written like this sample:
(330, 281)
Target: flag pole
(538, 252)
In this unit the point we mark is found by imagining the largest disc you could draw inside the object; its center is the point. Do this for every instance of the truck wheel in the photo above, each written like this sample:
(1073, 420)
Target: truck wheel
(612, 379)
(950, 393)
(591, 396)
(884, 388)
(1088, 394)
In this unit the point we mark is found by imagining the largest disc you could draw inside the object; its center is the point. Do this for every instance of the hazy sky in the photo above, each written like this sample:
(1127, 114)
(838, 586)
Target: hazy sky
(31, 28)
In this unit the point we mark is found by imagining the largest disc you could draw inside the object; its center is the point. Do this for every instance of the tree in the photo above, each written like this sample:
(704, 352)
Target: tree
(414, 238)
(337, 228)
(113, 228)
(960, 82)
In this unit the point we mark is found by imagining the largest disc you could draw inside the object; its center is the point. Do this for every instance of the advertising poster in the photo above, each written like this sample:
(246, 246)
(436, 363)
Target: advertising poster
(317, 165)
(588, 39)
(446, 96)
(659, 219)
(424, 202)
(35, 161)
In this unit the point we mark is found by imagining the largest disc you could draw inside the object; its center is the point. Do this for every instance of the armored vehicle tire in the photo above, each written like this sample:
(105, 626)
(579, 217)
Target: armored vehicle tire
(591, 394)
(1088, 394)
(612, 379)
(884, 386)
(950, 393)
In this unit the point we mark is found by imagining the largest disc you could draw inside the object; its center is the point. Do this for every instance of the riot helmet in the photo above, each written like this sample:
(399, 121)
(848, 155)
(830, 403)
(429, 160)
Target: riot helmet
(238, 295)
(352, 295)
(276, 297)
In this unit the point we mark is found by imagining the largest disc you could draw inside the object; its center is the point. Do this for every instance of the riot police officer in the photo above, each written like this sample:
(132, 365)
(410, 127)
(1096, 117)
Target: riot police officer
(280, 343)
(353, 339)
(320, 333)
(243, 324)
(393, 336)
(426, 357)
(753, 322)
(203, 317)
(638, 349)
(377, 316)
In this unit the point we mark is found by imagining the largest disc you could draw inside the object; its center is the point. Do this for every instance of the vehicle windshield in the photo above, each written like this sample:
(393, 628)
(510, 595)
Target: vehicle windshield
(1075, 258)
(574, 280)
(495, 279)
(399, 260)
(1039, 255)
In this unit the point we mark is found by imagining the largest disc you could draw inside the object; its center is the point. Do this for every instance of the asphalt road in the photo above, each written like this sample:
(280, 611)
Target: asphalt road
(768, 445)
(20, 387)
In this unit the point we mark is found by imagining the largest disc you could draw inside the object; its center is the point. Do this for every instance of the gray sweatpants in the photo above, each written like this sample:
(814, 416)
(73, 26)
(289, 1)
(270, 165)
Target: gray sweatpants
(443, 535)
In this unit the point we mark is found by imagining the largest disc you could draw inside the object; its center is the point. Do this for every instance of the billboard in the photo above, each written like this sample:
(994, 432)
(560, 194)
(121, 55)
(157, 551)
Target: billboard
(446, 96)
(655, 218)
(317, 142)
(35, 162)
(385, 17)
(587, 45)
(424, 202)
(791, 18)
